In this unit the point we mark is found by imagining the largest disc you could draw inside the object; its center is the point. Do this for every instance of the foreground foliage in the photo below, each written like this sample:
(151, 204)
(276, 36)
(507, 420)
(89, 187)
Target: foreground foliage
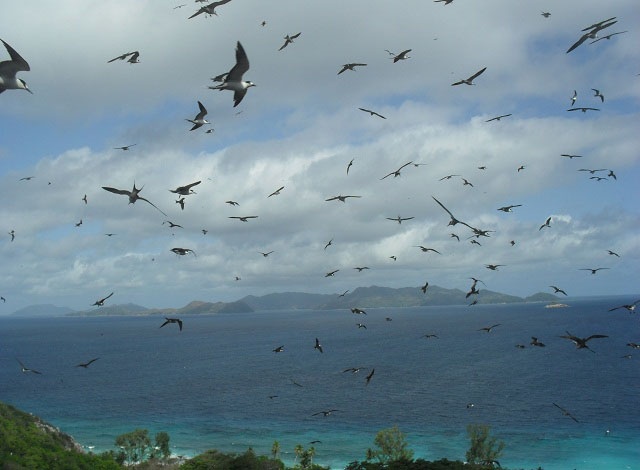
(213, 459)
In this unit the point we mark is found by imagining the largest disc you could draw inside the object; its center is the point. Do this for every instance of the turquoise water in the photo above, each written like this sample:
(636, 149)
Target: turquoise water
(209, 385)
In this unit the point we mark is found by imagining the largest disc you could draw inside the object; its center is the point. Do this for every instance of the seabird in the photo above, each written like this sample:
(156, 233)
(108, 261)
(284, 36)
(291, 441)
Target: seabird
(373, 113)
(351, 67)
(344, 293)
(535, 342)
(120, 57)
(448, 177)
(100, 302)
(546, 14)
(78, 224)
(13, 234)
(183, 251)
(569, 156)
(318, 346)
(209, 9)
(349, 165)
(583, 109)
(581, 343)
(87, 364)
(453, 220)
(358, 311)
(574, 98)
(396, 173)
(430, 335)
(592, 32)
(469, 81)
(592, 171)
(353, 370)
(521, 167)
(289, 40)
(425, 287)
(446, 2)
(508, 208)
(85, 199)
(329, 243)
(425, 249)
(497, 118)
(124, 147)
(9, 69)
(181, 202)
(233, 80)
(185, 190)
(453, 235)
(276, 192)
(489, 328)
(593, 270)
(361, 325)
(26, 178)
(133, 195)
(493, 267)
(399, 219)
(598, 95)
(171, 224)
(232, 203)
(172, 320)
(370, 376)
(557, 290)
(402, 56)
(244, 218)
(466, 182)
(565, 412)
(608, 36)
(199, 120)
(613, 253)
(331, 273)
(25, 369)
(361, 268)
(339, 198)
(266, 254)
(278, 349)
(547, 223)
(324, 413)
(629, 307)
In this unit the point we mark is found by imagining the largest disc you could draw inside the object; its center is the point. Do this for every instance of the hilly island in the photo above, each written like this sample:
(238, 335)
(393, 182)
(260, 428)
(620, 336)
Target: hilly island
(361, 297)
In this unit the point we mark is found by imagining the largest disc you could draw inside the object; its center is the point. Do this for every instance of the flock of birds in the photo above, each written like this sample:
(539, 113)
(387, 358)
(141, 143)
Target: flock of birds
(234, 81)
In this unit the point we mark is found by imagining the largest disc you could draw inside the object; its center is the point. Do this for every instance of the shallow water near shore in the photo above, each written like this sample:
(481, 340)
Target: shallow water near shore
(218, 384)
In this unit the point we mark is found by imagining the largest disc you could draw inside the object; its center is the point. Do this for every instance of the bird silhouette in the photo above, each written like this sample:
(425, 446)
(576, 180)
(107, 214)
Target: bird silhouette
(351, 66)
(199, 120)
(396, 173)
(276, 192)
(565, 412)
(489, 328)
(399, 219)
(370, 376)
(557, 290)
(581, 343)
(133, 195)
(593, 270)
(289, 40)
(372, 113)
(172, 320)
(88, 363)
(183, 251)
(318, 346)
(185, 190)
(100, 302)
(25, 369)
(469, 81)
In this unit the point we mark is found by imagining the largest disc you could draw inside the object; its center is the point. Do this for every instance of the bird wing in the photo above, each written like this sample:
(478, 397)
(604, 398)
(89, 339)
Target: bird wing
(16, 64)
(582, 39)
(595, 336)
(238, 95)
(124, 192)
(295, 35)
(477, 74)
(102, 300)
(202, 113)
(242, 65)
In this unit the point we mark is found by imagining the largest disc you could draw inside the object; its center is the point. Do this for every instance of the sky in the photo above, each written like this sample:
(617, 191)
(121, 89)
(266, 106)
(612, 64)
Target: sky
(299, 127)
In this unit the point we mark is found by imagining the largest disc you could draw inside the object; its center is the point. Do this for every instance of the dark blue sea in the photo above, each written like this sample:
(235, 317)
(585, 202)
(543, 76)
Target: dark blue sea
(218, 384)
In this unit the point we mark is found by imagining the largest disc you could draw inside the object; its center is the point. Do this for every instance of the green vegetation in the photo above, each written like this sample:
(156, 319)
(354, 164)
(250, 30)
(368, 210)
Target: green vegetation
(392, 445)
(484, 449)
(213, 459)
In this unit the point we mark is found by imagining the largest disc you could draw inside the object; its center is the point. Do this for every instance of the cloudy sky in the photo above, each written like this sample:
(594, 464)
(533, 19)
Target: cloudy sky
(299, 127)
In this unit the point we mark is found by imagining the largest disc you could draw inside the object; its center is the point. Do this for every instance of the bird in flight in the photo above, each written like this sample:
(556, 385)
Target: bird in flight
(233, 80)
(370, 376)
(469, 81)
(25, 369)
(232, 203)
(350, 66)
(100, 302)
(493, 267)
(565, 412)
(402, 56)
(318, 346)
(508, 208)
(547, 223)
(592, 32)
(209, 9)
(199, 120)
(331, 273)
(593, 270)
(536, 342)
(324, 413)
(372, 113)
(569, 156)
(489, 328)
(613, 253)
(425, 249)
(557, 290)
(361, 268)
(581, 343)
(399, 219)
(608, 36)
(358, 311)
(278, 349)
(497, 118)
(424, 288)
(133, 195)
(340, 198)
(266, 254)
(244, 218)
(172, 320)
(133, 57)
(396, 173)
(185, 190)
(13, 234)
(574, 98)
(183, 251)
(328, 244)
(583, 109)
(88, 363)
(9, 69)
(289, 40)
(276, 192)
(124, 147)
(546, 14)
(349, 165)
(598, 95)
(453, 220)
(629, 307)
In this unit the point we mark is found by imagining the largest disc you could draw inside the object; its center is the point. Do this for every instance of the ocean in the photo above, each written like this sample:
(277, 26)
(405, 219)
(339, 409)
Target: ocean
(218, 383)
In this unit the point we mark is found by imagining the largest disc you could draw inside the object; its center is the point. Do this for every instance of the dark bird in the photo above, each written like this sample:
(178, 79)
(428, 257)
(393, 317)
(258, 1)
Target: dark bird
(233, 80)
(232, 203)
(429, 336)
(608, 36)
(361, 325)
(613, 253)
(424, 288)
(574, 98)
(396, 173)
(508, 208)
(546, 14)
(344, 293)
(181, 202)
(629, 307)
(3, 299)
(78, 224)
(100, 302)
(453, 235)
(547, 223)
(244, 218)
(276, 192)
(124, 147)
(87, 364)
(172, 320)
(453, 220)
(295, 383)
(349, 166)
(121, 57)
(598, 95)
(469, 81)
(350, 66)
(493, 267)
(535, 342)
(289, 40)
(592, 171)
(278, 349)
(583, 109)
(557, 290)
(446, 2)
(569, 156)
(85, 199)
(9, 69)
(497, 118)
(358, 311)
(399, 219)
(340, 198)
(593, 270)
(329, 243)
(185, 190)
(361, 268)
(25, 369)
(209, 9)
(402, 56)
(318, 346)
(475, 242)
(592, 32)
(171, 224)
(324, 413)
(472, 291)
(489, 328)
(266, 254)
(204, 231)
(448, 177)
(565, 412)
(370, 376)
(393, 258)
(199, 120)
(426, 249)
(634, 345)
(372, 113)
(133, 195)
(598, 178)
(521, 167)
(611, 174)
(183, 251)
(353, 370)
(581, 343)
(330, 274)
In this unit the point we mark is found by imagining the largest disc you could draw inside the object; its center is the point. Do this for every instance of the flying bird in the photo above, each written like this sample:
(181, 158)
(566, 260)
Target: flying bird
(424, 288)
(209, 9)
(350, 66)
(536, 342)
(598, 95)
(508, 208)
(199, 120)
(100, 302)
(25, 369)
(546, 14)
(88, 363)
(232, 203)
(340, 198)
(349, 165)
(372, 113)
(583, 109)
(361, 268)
(172, 320)
(592, 32)
(557, 290)
(85, 199)
(318, 346)
(399, 219)
(489, 328)
(9, 69)
(547, 223)
(124, 147)
(331, 273)
(266, 254)
(358, 311)
(185, 190)
(574, 98)
(593, 270)
(497, 118)
(396, 173)
(133, 195)
(469, 81)
(370, 376)
(629, 307)
(171, 224)
(324, 413)
(493, 267)
(581, 343)
(565, 412)
(328, 244)
(276, 192)
(608, 36)
(183, 251)
(278, 349)
(244, 218)
(233, 80)
(613, 253)
(289, 40)
(425, 249)
(402, 56)
(570, 156)
(453, 220)
(181, 202)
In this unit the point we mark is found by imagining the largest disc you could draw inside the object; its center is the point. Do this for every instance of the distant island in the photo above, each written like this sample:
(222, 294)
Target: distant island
(362, 297)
